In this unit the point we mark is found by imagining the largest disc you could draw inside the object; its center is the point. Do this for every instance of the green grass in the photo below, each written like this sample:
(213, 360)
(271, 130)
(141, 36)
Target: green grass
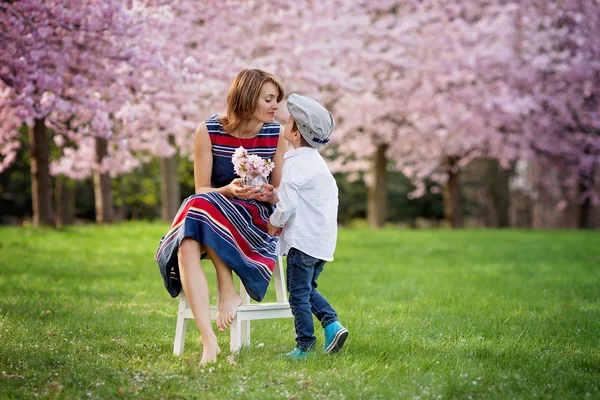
(431, 314)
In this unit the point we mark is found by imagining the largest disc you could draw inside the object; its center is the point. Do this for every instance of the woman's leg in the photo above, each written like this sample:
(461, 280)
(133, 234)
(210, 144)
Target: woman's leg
(195, 287)
(229, 298)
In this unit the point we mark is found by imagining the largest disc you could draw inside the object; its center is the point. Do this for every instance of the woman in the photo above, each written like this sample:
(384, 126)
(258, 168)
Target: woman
(224, 219)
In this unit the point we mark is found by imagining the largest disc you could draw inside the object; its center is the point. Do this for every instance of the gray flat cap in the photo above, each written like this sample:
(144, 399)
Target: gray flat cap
(313, 120)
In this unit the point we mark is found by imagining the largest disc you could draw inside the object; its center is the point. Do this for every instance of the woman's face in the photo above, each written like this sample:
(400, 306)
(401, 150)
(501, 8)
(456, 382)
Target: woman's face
(267, 103)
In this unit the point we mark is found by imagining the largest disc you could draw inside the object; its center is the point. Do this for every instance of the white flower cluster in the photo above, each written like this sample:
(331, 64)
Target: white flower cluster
(250, 165)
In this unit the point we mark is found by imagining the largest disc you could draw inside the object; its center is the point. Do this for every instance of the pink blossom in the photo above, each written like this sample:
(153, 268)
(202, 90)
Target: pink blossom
(250, 165)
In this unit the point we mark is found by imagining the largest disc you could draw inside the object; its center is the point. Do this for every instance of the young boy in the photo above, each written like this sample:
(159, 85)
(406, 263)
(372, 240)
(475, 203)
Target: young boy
(306, 216)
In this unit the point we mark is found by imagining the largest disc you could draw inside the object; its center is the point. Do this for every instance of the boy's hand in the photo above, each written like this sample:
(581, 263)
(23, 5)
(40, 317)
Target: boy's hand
(267, 193)
(273, 230)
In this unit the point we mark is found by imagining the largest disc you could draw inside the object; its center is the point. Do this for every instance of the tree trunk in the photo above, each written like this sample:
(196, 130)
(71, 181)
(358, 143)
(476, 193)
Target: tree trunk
(64, 198)
(377, 189)
(452, 203)
(585, 209)
(498, 194)
(102, 188)
(41, 182)
(170, 190)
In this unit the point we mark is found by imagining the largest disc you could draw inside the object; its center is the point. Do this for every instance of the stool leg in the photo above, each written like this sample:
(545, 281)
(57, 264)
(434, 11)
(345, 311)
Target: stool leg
(245, 332)
(244, 326)
(235, 338)
(181, 326)
(279, 281)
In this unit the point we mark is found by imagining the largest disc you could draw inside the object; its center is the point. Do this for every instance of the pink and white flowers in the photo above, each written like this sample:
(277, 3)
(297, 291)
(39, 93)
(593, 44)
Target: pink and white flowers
(249, 166)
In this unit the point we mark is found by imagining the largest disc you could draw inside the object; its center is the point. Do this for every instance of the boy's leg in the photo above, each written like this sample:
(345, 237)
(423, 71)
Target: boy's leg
(335, 333)
(318, 304)
(299, 277)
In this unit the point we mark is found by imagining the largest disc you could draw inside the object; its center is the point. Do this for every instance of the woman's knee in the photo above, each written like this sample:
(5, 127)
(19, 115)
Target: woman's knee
(189, 246)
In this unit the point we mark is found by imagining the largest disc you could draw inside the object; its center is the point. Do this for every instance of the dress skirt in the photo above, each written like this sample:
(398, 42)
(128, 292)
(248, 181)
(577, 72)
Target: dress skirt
(235, 229)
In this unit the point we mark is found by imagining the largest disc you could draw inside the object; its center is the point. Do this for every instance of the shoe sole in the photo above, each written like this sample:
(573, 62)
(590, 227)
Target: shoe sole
(338, 341)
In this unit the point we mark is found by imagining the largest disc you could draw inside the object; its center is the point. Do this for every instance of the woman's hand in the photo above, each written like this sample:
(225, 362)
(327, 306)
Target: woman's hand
(242, 192)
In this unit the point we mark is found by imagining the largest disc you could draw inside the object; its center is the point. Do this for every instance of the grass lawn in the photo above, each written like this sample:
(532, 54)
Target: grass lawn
(431, 314)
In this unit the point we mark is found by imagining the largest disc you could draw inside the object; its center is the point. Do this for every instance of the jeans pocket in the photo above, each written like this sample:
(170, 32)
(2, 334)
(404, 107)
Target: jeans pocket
(308, 261)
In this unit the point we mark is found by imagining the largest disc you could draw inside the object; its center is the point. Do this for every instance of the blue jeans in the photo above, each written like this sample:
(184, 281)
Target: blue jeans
(302, 273)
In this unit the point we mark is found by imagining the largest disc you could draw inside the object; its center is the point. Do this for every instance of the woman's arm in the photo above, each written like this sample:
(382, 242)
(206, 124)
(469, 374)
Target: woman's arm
(270, 196)
(203, 162)
(278, 159)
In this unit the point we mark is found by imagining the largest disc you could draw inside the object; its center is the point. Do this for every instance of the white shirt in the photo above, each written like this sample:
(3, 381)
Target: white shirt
(308, 205)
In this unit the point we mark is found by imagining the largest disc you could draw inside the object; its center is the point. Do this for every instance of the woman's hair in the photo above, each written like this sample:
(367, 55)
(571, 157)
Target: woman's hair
(242, 98)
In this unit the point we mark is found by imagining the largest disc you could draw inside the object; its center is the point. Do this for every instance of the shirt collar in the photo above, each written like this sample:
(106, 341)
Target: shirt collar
(299, 150)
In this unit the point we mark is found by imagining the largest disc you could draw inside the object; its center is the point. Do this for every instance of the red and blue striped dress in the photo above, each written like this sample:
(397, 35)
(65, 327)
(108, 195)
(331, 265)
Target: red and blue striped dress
(235, 229)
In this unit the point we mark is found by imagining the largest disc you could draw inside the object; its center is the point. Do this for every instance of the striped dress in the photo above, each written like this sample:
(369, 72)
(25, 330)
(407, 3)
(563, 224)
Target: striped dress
(235, 229)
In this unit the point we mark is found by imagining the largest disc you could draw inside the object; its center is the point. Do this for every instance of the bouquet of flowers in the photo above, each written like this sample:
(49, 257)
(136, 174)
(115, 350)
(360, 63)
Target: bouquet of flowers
(252, 168)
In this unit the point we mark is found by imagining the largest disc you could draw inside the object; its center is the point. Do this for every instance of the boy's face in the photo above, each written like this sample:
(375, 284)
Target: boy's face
(287, 132)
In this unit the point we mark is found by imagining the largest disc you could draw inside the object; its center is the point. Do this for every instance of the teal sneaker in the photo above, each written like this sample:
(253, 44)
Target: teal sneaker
(297, 354)
(335, 336)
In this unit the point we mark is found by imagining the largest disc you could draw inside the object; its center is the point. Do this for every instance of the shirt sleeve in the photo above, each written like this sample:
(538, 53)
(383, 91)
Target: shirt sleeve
(288, 199)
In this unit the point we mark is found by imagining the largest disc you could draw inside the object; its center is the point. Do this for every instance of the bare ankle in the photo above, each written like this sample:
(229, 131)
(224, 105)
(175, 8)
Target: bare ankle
(228, 293)
(209, 340)
(230, 298)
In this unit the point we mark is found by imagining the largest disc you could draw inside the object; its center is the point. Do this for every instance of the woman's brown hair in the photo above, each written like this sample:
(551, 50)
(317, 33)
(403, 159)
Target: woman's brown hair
(242, 98)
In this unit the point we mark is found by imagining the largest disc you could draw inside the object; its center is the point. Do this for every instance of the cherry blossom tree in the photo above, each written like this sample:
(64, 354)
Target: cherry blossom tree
(433, 86)
(419, 86)
(106, 77)
(560, 77)
(57, 67)
(205, 45)
(427, 71)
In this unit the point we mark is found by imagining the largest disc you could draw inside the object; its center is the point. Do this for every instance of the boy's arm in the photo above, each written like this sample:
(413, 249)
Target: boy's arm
(273, 230)
(274, 199)
(287, 195)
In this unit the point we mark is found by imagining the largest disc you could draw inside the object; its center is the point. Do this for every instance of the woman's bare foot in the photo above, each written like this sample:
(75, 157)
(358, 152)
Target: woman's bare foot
(227, 310)
(210, 350)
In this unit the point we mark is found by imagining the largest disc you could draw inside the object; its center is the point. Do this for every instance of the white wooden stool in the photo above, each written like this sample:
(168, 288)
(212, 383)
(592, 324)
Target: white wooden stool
(240, 327)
